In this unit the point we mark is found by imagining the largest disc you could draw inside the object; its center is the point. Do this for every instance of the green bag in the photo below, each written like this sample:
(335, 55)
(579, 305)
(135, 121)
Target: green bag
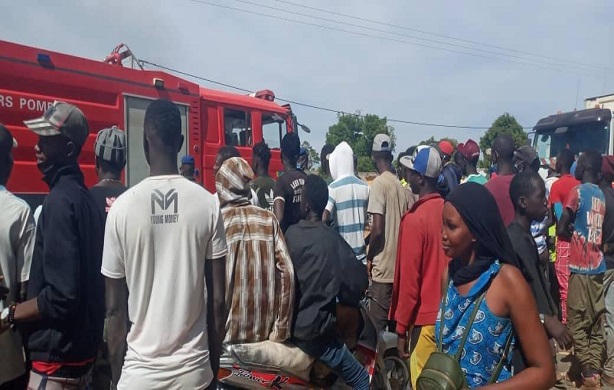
(443, 372)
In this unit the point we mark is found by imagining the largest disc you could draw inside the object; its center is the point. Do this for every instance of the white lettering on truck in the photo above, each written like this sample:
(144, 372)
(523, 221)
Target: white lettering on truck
(6, 101)
(34, 104)
(25, 103)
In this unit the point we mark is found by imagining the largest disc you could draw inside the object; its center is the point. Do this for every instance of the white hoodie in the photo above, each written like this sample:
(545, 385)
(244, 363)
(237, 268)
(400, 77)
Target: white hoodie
(341, 161)
(348, 199)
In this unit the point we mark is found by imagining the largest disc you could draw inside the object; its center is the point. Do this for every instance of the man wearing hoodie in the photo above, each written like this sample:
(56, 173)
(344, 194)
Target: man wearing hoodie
(347, 200)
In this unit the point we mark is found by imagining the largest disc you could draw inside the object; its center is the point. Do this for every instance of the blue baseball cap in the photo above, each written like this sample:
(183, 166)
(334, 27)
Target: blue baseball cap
(426, 161)
(187, 160)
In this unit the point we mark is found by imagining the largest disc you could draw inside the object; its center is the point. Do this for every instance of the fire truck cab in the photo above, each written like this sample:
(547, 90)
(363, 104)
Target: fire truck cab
(31, 79)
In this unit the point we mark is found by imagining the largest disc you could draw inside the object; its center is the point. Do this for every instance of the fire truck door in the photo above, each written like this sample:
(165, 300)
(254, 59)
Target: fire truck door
(136, 167)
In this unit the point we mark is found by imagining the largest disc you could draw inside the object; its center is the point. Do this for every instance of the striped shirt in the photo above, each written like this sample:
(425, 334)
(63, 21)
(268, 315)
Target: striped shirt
(538, 231)
(347, 204)
(259, 276)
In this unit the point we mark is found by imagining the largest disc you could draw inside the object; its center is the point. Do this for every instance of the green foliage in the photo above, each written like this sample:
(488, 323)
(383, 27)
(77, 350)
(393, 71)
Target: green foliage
(365, 164)
(359, 132)
(433, 141)
(505, 124)
(314, 156)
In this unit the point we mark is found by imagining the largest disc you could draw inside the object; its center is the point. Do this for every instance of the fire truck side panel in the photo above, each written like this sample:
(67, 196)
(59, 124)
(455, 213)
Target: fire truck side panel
(31, 79)
(28, 87)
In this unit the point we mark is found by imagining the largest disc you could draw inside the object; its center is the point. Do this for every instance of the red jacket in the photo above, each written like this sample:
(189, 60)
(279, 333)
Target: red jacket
(416, 292)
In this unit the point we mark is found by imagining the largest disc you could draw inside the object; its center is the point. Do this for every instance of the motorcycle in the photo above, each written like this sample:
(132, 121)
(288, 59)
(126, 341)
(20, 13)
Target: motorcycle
(274, 365)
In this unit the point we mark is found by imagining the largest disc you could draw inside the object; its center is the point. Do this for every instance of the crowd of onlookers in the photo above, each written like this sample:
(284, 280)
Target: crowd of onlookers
(499, 270)
(557, 232)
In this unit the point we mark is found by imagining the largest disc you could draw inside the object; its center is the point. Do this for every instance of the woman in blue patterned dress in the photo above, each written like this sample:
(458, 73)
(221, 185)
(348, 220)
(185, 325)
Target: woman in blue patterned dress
(483, 262)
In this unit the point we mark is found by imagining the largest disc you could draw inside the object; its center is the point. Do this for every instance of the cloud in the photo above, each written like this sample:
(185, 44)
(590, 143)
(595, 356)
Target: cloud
(349, 72)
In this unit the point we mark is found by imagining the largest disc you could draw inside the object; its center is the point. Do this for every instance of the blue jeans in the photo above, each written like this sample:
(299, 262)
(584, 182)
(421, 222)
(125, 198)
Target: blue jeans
(338, 357)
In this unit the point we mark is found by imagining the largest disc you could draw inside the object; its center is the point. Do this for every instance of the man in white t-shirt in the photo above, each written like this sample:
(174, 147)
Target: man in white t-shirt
(17, 232)
(165, 243)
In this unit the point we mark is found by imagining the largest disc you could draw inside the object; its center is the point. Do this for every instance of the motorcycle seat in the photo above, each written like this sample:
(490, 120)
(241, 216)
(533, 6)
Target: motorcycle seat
(270, 354)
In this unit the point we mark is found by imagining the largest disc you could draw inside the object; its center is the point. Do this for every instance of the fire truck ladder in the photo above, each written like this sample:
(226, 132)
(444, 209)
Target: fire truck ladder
(117, 56)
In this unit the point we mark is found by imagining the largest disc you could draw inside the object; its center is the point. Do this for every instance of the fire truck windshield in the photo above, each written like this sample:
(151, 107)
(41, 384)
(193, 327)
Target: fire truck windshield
(578, 138)
(273, 130)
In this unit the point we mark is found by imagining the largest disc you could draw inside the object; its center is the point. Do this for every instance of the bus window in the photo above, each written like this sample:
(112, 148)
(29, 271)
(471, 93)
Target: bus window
(577, 138)
(136, 166)
(237, 128)
(273, 130)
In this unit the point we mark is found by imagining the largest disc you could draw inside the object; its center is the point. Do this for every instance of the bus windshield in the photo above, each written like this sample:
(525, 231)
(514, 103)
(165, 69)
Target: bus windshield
(578, 138)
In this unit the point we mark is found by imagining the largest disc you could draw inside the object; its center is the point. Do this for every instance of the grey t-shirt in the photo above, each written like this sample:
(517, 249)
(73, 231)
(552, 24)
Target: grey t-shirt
(387, 198)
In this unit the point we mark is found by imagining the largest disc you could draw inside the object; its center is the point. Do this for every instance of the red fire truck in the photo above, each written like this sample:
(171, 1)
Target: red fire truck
(108, 93)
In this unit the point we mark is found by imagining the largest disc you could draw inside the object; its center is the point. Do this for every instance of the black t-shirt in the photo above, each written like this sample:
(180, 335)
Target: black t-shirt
(528, 259)
(326, 269)
(104, 196)
(289, 187)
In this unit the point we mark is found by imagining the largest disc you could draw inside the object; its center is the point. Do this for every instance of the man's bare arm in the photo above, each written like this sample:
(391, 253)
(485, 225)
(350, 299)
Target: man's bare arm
(217, 313)
(278, 209)
(563, 227)
(27, 311)
(551, 217)
(378, 237)
(23, 291)
(116, 297)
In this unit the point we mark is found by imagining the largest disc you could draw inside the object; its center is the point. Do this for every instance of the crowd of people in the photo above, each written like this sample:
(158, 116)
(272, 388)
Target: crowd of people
(498, 270)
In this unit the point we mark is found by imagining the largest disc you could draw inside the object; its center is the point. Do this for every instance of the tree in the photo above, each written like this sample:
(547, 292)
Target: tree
(365, 164)
(505, 124)
(359, 131)
(314, 156)
(433, 141)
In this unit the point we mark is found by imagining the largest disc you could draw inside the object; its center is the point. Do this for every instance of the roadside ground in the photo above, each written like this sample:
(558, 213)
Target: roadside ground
(565, 371)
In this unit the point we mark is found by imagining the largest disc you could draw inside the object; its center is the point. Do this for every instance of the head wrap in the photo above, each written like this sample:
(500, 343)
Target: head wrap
(232, 182)
(479, 211)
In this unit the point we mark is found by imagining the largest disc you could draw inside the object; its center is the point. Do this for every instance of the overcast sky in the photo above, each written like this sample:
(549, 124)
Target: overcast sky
(352, 72)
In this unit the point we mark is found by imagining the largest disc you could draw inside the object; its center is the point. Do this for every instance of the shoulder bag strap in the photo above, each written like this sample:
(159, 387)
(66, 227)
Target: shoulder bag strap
(506, 351)
(442, 318)
(468, 326)
(441, 325)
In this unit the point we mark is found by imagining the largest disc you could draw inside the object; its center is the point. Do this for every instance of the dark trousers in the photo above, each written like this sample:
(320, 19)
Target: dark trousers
(379, 306)
(16, 384)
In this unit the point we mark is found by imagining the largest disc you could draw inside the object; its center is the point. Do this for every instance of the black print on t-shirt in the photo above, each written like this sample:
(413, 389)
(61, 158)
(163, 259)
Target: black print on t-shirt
(160, 203)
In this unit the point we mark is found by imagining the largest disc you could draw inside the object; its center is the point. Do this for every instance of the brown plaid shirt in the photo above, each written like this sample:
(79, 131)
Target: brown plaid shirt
(259, 276)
